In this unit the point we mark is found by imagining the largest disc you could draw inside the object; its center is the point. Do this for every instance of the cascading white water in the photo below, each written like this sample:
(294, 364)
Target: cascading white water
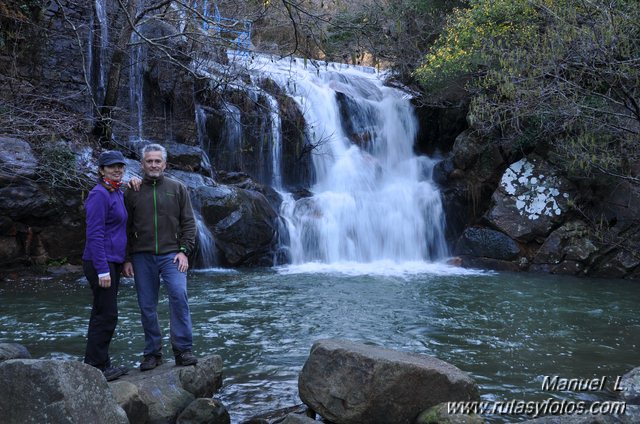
(206, 247)
(136, 69)
(232, 134)
(276, 142)
(101, 14)
(374, 201)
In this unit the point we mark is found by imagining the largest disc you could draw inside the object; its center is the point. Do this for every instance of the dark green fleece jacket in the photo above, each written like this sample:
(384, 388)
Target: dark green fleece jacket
(161, 218)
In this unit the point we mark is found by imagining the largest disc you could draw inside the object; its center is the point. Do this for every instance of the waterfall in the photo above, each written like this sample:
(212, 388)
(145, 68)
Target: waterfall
(101, 14)
(95, 73)
(231, 134)
(88, 68)
(205, 254)
(136, 70)
(373, 199)
(276, 142)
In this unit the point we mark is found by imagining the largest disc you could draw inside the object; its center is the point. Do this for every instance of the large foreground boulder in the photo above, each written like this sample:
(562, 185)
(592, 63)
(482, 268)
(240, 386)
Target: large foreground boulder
(48, 391)
(352, 383)
(161, 394)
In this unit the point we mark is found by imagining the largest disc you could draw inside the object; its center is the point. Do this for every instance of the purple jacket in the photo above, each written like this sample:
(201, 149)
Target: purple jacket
(106, 228)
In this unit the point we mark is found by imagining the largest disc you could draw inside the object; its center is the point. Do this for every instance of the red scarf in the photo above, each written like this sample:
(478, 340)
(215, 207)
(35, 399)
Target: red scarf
(110, 184)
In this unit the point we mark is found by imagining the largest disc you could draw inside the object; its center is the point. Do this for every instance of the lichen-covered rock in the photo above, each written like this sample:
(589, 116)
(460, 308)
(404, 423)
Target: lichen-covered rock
(531, 199)
(353, 383)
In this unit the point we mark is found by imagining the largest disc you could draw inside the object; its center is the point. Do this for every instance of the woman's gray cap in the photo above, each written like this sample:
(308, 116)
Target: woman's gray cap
(111, 157)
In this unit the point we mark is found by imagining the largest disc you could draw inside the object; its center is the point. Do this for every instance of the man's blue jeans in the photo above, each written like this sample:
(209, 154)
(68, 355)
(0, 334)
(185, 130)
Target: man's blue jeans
(148, 269)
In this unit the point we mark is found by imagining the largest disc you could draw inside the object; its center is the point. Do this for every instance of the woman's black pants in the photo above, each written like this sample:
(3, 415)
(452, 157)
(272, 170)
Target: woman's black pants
(104, 315)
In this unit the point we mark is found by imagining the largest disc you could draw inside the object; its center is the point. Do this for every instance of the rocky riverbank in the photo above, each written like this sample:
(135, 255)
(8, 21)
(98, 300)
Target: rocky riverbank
(342, 382)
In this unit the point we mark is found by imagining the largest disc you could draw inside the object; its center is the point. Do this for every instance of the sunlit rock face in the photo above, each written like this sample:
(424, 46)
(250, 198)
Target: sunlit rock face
(531, 200)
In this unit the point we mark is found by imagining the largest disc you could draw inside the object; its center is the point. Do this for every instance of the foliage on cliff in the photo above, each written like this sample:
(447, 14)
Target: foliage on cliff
(557, 75)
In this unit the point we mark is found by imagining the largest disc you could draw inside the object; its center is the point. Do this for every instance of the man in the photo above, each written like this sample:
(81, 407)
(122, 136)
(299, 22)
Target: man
(161, 233)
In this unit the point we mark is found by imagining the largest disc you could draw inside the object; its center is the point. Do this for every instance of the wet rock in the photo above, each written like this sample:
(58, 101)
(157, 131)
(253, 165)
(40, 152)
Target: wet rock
(188, 158)
(244, 181)
(442, 171)
(13, 351)
(48, 391)
(531, 200)
(200, 411)
(16, 160)
(243, 224)
(10, 249)
(190, 179)
(489, 263)
(630, 384)
(167, 390)
(487, 243)
(567, 250)
(619, 204)
(348, 382)
(298, 419)
(466, 150)
(440, 125)
(25, 199)
(273, 417)
(440, 415)
(618, 264)
(128, 397)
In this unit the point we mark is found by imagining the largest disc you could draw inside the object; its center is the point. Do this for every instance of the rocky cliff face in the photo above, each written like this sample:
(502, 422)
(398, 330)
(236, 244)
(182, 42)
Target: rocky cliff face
(512, 212)
(48, 155)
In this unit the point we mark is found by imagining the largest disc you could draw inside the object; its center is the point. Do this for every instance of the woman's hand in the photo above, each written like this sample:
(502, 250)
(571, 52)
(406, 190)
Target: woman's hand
(105, 282)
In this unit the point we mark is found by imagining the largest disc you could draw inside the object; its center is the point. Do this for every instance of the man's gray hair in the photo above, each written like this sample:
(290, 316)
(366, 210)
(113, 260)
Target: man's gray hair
(154, 148)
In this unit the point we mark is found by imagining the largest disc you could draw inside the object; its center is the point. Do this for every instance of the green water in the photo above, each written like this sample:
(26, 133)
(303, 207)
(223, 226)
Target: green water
(507, 330)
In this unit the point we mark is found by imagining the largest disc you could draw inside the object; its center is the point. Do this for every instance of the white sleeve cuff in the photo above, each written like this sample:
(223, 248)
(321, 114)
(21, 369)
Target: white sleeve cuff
(106, 274)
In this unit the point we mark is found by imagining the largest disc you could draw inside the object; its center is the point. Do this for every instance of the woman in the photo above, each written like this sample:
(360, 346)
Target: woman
(103, 258)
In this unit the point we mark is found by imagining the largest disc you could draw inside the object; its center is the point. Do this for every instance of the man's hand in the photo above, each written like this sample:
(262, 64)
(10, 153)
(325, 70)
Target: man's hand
(105, 282)
(127, 269)
(134, 183)
(183, 261)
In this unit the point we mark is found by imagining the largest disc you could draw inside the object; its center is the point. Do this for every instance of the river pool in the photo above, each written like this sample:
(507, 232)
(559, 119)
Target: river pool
(507, 330)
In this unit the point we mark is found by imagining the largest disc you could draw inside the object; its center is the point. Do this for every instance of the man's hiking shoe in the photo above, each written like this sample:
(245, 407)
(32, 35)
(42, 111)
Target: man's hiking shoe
(113, 373)
(149, 362)
(186, 358)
